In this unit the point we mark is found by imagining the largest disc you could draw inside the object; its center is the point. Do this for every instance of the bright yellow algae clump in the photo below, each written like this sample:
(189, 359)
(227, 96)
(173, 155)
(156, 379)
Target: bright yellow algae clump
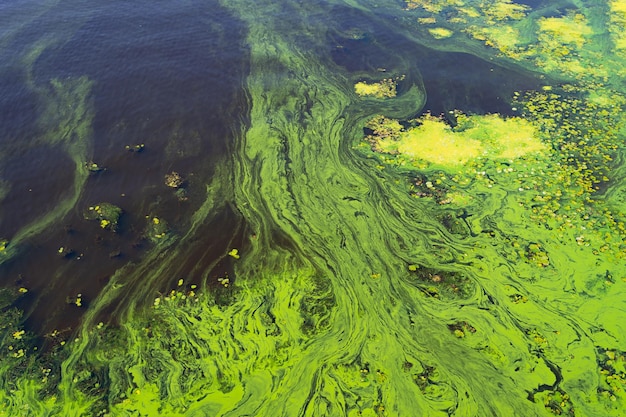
(385, 88)
(568, 45)
(490, 136)
(506, 10)
(618, 19)
(435, 142)
(506, 39)
(494, 10)
(571, 29)
(504, 138)
(440, 33)
(433, 6)
(618, 7)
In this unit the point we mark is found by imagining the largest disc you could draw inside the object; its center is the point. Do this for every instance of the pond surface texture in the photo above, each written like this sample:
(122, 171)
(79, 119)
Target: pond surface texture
(318, 208)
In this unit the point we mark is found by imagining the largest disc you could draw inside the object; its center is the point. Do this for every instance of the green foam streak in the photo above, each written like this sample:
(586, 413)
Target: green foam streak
(361, 231)
(66, 122)
(67, 118)
(342, 222)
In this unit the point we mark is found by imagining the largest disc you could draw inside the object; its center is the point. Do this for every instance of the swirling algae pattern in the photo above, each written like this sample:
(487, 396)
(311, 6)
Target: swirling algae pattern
(438, 265)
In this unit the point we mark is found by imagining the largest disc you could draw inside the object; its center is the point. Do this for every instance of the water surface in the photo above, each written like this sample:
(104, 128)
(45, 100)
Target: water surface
(312, 209)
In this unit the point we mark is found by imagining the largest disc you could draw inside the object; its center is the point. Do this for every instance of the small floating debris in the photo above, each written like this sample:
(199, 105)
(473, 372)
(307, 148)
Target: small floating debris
(66, 252)
(77, 301)
(106, 213)
(135, 148)
(156, 229)
(224, 281)
(93, 168)
(174, 180)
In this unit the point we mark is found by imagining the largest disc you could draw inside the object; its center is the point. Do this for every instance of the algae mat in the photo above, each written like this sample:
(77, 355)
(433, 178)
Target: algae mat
(429, 209)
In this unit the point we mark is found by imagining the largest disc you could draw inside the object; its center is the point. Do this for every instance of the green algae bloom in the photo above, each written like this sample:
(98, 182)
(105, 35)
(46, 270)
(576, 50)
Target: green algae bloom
(398, 250)
(478, 136)
(385, 88)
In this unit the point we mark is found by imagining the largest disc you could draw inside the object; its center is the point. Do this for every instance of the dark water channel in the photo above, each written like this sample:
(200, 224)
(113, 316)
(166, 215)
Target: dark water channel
(165, 76)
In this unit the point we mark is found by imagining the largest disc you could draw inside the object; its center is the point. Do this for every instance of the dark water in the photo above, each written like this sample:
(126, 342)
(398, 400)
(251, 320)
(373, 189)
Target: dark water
(451, 80)
(165, 75)
(170, 76)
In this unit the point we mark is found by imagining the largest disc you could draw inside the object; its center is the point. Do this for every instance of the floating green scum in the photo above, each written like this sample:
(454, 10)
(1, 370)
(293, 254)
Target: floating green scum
(398, 262)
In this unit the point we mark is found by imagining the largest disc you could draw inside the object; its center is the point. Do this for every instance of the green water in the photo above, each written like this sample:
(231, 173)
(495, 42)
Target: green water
(370, 281)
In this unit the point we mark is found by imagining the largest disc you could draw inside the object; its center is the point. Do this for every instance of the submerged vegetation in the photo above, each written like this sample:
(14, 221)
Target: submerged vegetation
(385, 261)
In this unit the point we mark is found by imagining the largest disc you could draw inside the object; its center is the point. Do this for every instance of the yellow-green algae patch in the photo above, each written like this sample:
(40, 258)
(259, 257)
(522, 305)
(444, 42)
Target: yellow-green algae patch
(564, 40)
(475, 136)
(556, 190)
(571, 29)
(177, 357)
(385, 88)
(440, 33)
